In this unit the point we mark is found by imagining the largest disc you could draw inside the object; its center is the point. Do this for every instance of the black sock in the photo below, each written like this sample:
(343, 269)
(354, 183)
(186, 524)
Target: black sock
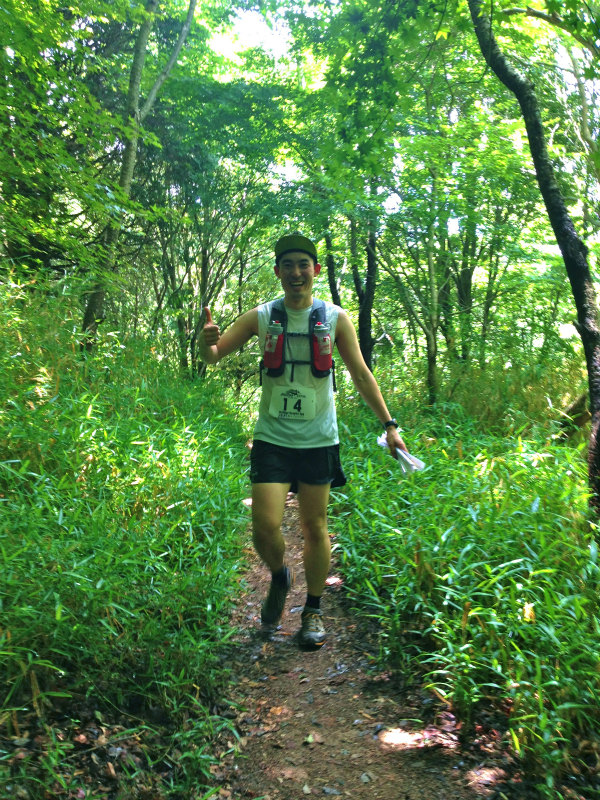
(280, 577)
(312, 601)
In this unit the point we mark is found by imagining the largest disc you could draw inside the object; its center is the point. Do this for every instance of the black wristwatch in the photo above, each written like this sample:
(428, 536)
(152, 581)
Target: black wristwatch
(391, 423)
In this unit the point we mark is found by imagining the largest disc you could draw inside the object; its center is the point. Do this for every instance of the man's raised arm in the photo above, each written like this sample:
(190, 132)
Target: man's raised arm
(214, 346)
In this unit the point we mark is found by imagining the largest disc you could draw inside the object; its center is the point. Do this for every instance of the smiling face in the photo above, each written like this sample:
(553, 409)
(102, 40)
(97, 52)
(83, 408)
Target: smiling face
(296, 271)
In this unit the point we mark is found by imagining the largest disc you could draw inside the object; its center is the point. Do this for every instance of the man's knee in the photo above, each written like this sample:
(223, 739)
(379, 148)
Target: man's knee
(264, 525)
(268, 502)
(314, 527)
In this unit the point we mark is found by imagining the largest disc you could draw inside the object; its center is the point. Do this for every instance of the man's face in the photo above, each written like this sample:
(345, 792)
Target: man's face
(296, 271)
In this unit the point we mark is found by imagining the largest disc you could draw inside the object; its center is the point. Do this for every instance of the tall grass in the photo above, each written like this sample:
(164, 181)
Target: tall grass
(121, 518)
(482, 574)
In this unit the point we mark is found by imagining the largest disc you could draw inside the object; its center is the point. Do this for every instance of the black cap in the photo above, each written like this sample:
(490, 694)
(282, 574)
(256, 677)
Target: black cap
(295, 242)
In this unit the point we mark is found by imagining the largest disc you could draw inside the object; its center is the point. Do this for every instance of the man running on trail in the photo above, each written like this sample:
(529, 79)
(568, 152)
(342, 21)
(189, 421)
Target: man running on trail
(296, 444)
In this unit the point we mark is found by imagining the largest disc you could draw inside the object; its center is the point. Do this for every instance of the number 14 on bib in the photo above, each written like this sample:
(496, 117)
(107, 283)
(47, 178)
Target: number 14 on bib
(293, 403)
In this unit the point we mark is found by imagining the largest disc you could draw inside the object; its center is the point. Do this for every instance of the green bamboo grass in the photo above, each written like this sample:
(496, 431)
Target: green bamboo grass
(482, 574)
(121, 524)
(122, 521)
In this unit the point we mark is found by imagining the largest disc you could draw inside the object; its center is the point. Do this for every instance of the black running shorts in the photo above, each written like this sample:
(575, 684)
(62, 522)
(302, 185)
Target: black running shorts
(271, 463)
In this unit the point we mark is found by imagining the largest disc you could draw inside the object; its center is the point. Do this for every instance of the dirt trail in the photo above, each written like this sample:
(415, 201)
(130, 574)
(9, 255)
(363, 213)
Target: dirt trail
(321, 723)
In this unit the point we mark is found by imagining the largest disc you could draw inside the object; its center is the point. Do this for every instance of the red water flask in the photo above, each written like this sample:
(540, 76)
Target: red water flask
(322, 347)
(273, 345)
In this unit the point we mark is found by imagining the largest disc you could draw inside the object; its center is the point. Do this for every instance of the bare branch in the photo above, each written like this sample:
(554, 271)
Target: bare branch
(183, 34)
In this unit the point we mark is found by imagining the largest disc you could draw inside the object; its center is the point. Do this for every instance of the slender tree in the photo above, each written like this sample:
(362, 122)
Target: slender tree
(137, 110)
(573, 249)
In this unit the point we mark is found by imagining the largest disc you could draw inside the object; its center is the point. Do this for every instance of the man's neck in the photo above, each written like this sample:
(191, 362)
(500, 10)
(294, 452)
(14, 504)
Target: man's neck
(298, 303)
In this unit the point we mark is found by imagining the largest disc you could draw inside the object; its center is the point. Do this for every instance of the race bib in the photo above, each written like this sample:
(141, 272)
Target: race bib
(293, 403)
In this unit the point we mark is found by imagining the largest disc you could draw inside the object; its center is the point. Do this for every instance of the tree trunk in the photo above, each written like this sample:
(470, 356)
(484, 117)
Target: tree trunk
(432, 370)
(365, 311)
(464, 291)
(365, 290)
(331, 276)
(574, 251)
(358, 287)
(446, 311)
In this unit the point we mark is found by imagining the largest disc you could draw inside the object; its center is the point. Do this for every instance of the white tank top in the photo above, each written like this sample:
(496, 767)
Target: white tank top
(321, 429)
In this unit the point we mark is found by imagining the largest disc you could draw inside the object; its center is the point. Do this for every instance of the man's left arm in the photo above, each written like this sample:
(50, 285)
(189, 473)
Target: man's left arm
(362, 377)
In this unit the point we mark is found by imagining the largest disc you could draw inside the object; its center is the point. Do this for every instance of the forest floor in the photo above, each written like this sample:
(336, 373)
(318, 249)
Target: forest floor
(327, 723)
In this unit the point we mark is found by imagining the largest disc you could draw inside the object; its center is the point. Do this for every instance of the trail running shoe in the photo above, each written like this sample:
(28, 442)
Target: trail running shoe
(274, 603)
(312, 633)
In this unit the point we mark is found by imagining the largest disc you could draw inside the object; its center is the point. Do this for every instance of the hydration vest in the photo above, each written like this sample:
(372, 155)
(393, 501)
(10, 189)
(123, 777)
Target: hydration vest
(321, 347)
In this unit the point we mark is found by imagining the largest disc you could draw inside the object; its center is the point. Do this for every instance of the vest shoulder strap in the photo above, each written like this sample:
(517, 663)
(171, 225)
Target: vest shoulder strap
(278, 313)
(318, 314)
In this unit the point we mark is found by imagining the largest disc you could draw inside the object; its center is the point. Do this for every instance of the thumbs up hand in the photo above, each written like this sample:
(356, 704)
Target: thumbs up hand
(210, 330)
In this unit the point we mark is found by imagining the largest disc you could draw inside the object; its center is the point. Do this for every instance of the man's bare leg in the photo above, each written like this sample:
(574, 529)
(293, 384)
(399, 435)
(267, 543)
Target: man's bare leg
(312, 501)
(268, 504)
(317, 556)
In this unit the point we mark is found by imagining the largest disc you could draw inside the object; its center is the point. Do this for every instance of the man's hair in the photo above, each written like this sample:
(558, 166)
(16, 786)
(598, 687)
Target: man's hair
(293, 242)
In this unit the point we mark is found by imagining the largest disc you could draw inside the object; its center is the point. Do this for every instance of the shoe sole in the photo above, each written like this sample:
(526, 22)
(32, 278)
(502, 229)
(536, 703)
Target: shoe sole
(304, 645)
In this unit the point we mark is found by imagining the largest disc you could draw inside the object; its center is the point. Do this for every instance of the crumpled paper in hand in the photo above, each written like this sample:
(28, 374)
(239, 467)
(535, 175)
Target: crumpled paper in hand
(407, 462)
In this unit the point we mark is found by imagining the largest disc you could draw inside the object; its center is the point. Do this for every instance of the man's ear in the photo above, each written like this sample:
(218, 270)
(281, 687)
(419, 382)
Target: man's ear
(276, 270)
(317, 268)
